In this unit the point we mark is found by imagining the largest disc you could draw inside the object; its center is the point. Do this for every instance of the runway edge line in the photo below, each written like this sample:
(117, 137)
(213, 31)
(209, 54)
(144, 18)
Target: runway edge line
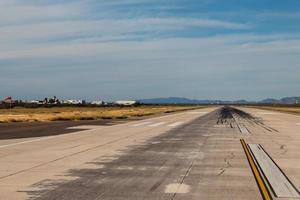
(259, 179)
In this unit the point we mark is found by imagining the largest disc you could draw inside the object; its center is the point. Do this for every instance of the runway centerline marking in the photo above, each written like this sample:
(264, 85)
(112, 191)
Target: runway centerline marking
(266, 113)
(41, 138)
(140, 124)
(88, 127)
(175, 124)
(197, 112)
(157, 124)
(24, 142)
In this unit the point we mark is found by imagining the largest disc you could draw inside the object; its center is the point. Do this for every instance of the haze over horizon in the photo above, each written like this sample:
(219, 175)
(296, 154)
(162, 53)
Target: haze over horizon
(136, 49)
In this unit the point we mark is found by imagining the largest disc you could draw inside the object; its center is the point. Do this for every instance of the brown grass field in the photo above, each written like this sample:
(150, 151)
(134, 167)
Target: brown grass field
(20, 114)
(285, 108)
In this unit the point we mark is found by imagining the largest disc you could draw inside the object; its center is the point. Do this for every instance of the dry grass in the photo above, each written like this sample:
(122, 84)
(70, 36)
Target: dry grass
(83, 113)
(288, 109)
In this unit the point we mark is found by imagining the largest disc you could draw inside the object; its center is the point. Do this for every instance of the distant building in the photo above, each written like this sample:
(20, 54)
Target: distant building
(73, 101)
(34, 102)
(125, 102)
(97, 102)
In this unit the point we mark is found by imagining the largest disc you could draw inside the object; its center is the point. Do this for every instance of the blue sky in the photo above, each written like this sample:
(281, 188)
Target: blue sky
(133, 49)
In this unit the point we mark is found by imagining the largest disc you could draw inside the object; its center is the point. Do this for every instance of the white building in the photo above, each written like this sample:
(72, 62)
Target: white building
(125, 102)
(97, 103)
(73, 101)
(35, 102)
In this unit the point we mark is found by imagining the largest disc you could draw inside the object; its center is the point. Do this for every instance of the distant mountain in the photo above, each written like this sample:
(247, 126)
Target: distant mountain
(285, 100)
(169, 100)
(290, 100)
(181, 100)
(269, 100)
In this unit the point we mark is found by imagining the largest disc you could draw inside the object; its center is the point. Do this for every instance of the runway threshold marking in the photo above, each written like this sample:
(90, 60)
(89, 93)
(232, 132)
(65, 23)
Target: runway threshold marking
(258, 177)
(279, 183)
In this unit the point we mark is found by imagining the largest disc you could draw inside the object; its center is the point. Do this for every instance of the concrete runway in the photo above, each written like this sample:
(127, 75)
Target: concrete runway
(187, 155)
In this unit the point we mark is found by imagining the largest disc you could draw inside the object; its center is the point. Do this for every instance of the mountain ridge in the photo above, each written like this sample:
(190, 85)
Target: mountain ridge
(182, 100)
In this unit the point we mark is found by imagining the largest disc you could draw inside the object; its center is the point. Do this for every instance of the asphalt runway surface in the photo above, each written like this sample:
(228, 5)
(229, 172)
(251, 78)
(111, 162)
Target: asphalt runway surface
(210, 153)
(39, 129)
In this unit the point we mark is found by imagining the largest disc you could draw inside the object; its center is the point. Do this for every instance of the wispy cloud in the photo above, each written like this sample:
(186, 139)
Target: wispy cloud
(69, 30)
(175, 47)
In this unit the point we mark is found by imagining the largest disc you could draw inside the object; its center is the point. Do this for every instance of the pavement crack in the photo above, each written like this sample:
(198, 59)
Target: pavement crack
(223, 170)
(228, 164)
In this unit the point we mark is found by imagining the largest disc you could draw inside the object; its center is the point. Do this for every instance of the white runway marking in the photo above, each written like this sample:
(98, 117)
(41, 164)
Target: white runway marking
(196, 112)
(280, 184)
(220, 125)
(24, 142)
(39, 139)
(89, 127)
(44, 138)
(175, 124)
(141, 124)
(266, 113)
(177, 188)
(157, 124)
(241, 127)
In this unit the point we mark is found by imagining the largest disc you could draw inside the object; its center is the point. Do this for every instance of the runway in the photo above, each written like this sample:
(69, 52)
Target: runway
(186, 155)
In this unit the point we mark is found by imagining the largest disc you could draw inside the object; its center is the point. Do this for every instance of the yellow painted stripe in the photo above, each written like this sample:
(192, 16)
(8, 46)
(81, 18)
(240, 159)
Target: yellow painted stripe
(259, 180)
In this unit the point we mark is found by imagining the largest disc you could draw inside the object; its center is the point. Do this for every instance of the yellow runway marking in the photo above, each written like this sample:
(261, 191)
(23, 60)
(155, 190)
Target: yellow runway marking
(259, 180)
